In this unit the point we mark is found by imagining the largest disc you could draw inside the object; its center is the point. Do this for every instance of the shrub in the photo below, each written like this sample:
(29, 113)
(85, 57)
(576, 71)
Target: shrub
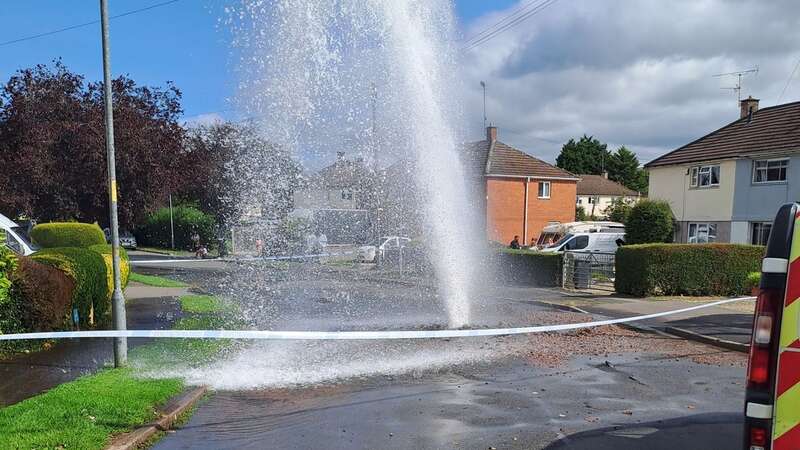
(187, 220)
(88, 269)
(67, 234)
(10, 320)
(686, 269)
(580, 214)
(753, 281)
(44, 294)
(650, 221)
(618, 211)
(124, 266)
(530, 267)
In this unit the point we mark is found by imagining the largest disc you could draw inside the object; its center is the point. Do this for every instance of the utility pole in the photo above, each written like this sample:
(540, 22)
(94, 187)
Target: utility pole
(117, 299)
(171, 224)
(374, 142)
(483, 85)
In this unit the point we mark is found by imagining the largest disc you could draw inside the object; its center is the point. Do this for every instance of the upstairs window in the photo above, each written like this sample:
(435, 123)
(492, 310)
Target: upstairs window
(544, 189)
(347, 194)
(705, 176)
(770, 170)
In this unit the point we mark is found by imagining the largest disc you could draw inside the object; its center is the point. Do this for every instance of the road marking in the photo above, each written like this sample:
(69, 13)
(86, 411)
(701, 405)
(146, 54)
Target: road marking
(349, 335)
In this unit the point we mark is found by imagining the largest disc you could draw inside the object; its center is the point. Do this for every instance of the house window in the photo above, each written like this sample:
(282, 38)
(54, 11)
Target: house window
(544, 189)
(759, 233)
(347, 194)
(592, 200)
(580, 201)
(705, 176)
(770, 170)
(701, 233)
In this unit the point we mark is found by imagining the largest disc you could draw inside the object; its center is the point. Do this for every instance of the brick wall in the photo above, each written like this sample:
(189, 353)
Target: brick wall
(505, 207)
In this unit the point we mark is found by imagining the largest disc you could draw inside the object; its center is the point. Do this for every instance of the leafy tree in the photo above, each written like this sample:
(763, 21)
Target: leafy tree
(580, 214)
(233, 168)
(650, 221)
(52, 144)
(618, 211)
(587, 156)
(623, 167)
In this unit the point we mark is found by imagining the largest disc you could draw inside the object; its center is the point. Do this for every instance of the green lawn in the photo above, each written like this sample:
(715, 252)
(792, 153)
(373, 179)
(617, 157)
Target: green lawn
(169, 353)
(85, 413)
(152, 280)
(201, 304)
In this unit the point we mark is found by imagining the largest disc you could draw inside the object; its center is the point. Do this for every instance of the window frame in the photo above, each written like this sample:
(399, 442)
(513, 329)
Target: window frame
(697, 173)
(762, 225)
(783, 167)
(709, 237)
(543, 189)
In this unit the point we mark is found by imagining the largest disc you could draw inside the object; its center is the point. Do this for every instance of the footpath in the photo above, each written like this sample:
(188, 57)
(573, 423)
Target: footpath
(728, 326)
(26, 375)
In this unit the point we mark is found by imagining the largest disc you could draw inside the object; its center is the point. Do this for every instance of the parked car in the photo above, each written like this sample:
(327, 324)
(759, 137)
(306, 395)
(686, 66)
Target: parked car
(127, 240)
(16, 237)
(600, 242)
(553, 233)
(379, 248)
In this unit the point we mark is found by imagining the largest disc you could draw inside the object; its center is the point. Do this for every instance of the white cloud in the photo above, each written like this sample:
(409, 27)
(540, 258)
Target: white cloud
(202, 119)
(632, 72)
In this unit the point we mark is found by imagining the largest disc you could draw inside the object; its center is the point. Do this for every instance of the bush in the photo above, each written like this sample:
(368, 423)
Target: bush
(124, 266)
(580, 214)
(44, 295)
(753, 281)
(88, 269)
(650, 221)
(187, 220)
(10, 320)
(686, 269)
(67, 234)
(530, 267)
(618, 211)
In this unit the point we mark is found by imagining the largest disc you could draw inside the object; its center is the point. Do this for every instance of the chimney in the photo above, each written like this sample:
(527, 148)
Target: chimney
(491, 133)
(339, 156)
(748, 107)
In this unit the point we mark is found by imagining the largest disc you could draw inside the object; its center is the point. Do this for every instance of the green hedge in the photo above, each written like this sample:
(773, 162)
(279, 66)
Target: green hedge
(187, 220)
(686, 269)
(530, 267)
(10, 320)
(67, 234)
(124, 266)
(88, 269)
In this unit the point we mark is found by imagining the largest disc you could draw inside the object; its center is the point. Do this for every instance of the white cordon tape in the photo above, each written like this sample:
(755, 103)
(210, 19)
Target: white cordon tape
(346, 335)
(248, 259)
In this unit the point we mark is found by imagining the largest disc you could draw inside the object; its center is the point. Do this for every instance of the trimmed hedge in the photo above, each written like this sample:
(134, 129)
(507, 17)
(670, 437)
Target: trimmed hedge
(187, 220)
(124, 266)
(44, 296)
(10, 320)
(530, 267)
(686, 269)
(67, 234)
(88, 269)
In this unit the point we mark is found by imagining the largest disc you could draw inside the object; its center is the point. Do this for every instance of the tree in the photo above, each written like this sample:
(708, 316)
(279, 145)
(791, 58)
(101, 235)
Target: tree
(580, 214)
(52, 144)
(233, 168)
(618, 210)
(623, 167)
(650, 221)
(587, 156)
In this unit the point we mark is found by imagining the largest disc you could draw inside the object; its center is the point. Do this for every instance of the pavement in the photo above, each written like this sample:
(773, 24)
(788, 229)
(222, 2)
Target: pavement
(26, 375)
(731, 322)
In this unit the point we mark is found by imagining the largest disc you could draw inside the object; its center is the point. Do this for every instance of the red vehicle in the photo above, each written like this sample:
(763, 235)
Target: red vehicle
(772, 408)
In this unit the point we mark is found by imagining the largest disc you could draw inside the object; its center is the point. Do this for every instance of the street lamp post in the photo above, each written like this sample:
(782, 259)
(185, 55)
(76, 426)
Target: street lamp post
(117, 299)
(483, 85)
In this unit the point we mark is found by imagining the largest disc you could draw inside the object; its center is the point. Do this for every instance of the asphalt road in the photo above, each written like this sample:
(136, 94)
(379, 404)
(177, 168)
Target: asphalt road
(470, 393)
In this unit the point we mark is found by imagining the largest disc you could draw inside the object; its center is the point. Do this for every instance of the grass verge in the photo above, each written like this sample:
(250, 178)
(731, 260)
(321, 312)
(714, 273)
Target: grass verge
(85, 413)
(201, 304)
(152, 280)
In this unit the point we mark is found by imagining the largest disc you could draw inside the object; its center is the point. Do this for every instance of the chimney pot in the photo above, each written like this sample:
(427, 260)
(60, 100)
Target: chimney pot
(340, 156)
(748, 107)
(491, 133)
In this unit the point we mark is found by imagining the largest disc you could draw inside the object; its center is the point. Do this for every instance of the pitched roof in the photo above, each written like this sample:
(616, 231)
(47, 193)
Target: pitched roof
(497, 158)
(600, 185)
(773, 129)
(343, 173)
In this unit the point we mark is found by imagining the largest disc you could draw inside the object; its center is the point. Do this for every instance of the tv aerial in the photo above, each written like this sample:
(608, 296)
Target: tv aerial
(739, 74)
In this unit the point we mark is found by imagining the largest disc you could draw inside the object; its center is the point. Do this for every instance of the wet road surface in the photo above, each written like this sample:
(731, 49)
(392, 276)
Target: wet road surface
(471, 394)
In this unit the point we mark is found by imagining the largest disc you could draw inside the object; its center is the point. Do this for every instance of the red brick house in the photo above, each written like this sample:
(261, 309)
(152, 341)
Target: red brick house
(523, 194)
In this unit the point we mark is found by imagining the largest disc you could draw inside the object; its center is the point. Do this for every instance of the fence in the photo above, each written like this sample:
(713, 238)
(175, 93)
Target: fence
(588, 271)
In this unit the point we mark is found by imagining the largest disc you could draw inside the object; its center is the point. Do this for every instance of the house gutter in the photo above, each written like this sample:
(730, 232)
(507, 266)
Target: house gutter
(525, 177)
(525, 214)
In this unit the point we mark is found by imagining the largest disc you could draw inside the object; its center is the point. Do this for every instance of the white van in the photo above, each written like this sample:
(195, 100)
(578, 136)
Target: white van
(600, 242)
(554, 233)
(15, 237)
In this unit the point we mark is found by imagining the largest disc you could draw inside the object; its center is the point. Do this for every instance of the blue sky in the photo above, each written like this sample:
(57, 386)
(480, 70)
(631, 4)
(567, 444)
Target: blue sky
(179, 42)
